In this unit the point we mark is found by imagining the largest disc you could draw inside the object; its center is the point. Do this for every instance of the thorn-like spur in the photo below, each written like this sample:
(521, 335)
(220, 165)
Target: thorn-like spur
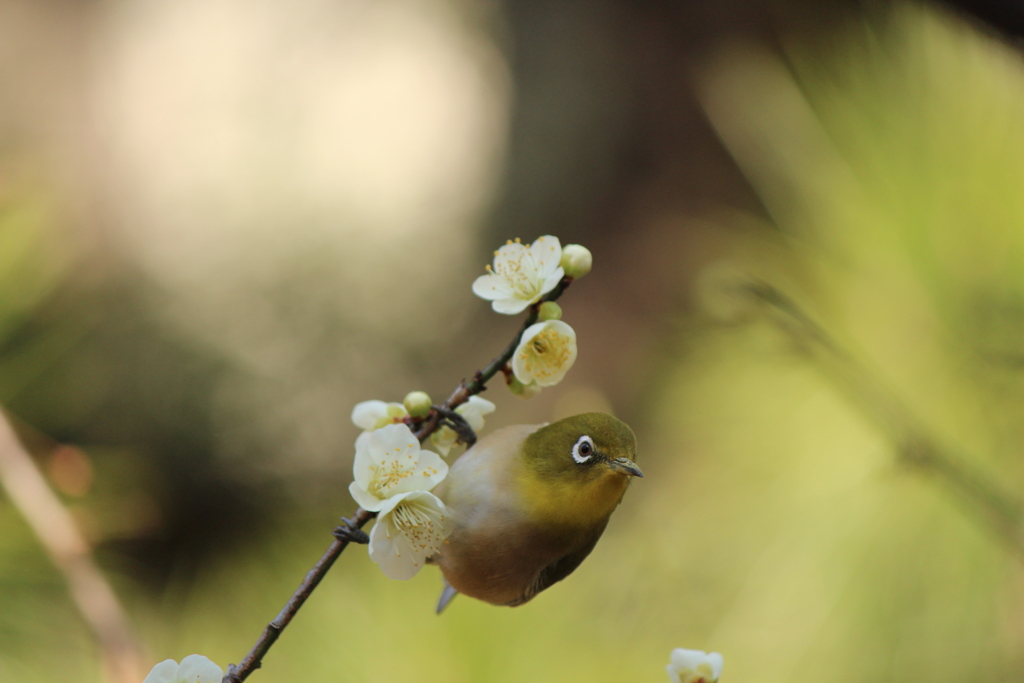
(350, 533)
(458, 423)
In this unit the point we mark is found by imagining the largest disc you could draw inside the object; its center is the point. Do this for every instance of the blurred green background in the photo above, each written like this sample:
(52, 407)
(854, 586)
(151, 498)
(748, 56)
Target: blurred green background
(223, 223)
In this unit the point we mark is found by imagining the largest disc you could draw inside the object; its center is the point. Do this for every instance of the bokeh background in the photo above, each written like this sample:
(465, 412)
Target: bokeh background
(223, 223)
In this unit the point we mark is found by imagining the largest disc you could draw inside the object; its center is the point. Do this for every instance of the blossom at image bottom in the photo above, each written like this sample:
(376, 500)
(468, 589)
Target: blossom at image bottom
(193, 669)
(694, 666)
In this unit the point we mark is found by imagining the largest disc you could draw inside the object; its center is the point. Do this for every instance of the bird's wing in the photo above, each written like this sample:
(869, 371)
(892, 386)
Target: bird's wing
(447, 595)
(563, 566)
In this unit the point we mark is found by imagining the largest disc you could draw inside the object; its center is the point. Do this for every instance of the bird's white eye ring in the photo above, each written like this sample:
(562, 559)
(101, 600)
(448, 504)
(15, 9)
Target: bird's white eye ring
(583, 450)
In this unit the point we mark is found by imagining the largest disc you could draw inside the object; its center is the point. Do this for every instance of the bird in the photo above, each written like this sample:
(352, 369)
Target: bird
(528, 503)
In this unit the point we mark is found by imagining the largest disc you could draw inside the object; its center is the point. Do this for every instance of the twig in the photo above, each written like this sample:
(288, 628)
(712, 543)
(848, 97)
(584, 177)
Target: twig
(67, 548)
(478, 384)
(238, 673)
(253, 660)
(1003, 511)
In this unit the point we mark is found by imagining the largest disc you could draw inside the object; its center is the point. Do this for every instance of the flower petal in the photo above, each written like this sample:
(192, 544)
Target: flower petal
(443, 439)
(409, 528)
(715, 660)
(547, 254)
(514, 262)
(431, 469)
(565, 352)
(521, 355)
(393, 552)
(164, 672)
(687, 659)
(364, 498)
(361, 440)
(199, 669)
(552, 280)
(366, 414)
(392, 441)
(391, 503)
(363, 466)
(474, 410)
(491, 287)
(510, 306)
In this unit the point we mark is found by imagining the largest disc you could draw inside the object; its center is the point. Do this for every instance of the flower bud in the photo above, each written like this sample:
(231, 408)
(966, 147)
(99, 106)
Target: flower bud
(523, 390)
(576, 260)
(549, 310)
(417, 403)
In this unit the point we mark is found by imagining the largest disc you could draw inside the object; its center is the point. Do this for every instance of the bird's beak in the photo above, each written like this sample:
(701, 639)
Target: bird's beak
(626, 466)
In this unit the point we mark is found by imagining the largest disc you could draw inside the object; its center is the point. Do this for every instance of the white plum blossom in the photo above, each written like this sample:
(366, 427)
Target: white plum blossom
(193, 669)
(371, 415)
(389, 462)
(694, 666)
(522, 274)
(473, 412)
(545, 353)
(410, 527)
(443, 439)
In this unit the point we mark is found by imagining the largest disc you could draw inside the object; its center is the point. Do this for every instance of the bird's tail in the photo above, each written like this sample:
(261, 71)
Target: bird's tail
(447, 595)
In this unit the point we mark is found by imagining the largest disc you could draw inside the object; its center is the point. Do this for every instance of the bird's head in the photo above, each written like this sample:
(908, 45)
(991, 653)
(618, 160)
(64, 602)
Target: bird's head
(581, 464)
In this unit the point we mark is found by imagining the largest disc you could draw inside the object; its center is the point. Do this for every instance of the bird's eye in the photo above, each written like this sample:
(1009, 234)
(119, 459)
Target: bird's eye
(583, 449)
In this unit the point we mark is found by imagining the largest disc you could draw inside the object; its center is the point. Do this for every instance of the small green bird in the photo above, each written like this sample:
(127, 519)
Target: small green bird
(529, 503)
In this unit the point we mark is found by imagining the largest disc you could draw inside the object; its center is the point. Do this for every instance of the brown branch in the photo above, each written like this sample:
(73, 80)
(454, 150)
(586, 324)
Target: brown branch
(479, 382)
(254, 660)
(238, 673)
(69, 551)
